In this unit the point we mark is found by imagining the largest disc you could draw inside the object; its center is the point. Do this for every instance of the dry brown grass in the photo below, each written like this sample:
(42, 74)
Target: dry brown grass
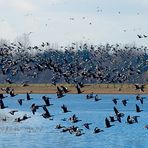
(95, 88)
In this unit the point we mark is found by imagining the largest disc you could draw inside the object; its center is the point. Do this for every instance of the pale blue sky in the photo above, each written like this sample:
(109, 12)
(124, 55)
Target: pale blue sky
(49, 20)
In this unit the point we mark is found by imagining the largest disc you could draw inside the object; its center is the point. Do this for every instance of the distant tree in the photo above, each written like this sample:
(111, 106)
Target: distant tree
(4, 42)
(23, 41)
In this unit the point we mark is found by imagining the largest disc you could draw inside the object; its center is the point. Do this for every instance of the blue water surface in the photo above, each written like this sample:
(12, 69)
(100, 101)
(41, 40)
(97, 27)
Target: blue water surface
(37, 132)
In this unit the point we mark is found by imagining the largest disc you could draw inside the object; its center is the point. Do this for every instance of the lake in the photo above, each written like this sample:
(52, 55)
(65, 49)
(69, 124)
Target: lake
(38, 132)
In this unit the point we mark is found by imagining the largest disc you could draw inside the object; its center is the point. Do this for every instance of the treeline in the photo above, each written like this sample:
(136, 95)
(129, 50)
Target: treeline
(75, 63)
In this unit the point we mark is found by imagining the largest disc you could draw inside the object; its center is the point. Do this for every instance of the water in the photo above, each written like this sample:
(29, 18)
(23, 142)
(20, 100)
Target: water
(38, 132)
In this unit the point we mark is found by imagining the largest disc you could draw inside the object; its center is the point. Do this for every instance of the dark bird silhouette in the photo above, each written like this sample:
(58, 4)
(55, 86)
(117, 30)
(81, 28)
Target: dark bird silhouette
(79, 133)
(59, 89)
(24, 84)
(107, 123)
(59, 92)
(12, 93)
(89, 96)
(139, 36)
(74, 119)
(130, 120)
(18, 119)
(13, 111)
(4, 119)
(59, 126)
(9, 81)
(135, 118)
(65, 129)
(97, 98)
(86, 125)
(64, 108)
(46, 114)
(118, 114)
(23, 118)
(138, 108)
(112, 119)
(2, 106)
(71, 18)
(145, 36)
(20, 101)
(26, 117)
(64, 119)
(81, 84)
(28, 96)
(34, 108)
(78, 89)
(119, 118)
(114, 100)
(65, 90)
(124, 101)
(116, 111)
(1, 96)
(46, 100)
(138, 97)
(97, 130)
(141, 100)
(141, 87)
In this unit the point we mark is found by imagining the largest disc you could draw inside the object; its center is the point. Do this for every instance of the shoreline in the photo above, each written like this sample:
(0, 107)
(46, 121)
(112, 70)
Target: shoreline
(87, 89)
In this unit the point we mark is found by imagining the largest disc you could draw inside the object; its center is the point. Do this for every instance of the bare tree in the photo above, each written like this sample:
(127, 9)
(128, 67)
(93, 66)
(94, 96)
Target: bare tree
(23, 41)
(4, 42)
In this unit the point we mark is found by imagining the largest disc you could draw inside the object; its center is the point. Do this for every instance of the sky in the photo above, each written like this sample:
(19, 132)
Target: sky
(67, 21)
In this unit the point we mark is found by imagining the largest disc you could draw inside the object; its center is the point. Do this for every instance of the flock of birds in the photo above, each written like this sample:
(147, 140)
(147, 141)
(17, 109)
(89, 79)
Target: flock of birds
(89, 21)
(73, 64)
(77, 131)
